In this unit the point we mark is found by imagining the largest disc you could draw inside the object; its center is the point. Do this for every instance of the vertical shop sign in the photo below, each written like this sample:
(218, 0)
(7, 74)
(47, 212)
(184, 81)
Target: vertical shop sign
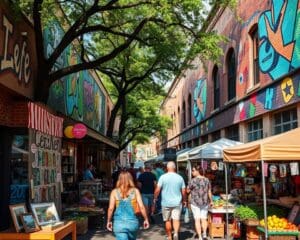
(45, 155)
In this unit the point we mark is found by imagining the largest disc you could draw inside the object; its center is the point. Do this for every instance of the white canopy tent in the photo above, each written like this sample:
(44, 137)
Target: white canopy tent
(182, 155)
(196, 150)
(214, 150)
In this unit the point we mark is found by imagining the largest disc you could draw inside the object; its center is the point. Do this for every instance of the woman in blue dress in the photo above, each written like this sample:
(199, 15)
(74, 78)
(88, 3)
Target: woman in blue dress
(123, 203)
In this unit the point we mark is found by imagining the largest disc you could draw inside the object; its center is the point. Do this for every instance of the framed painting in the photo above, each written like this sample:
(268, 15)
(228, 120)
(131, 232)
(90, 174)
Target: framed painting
(29, 222)
(45, 213)
(16, 211)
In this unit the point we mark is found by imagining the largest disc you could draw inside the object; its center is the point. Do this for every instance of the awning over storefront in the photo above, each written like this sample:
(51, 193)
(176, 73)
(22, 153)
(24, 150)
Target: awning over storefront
(281, 147)
(214, 150)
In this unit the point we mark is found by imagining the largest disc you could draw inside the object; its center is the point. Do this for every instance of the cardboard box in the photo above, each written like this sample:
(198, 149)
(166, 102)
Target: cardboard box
(216, 230)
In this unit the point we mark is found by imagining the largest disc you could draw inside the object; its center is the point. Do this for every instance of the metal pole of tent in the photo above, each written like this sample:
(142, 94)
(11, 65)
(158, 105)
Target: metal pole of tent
(226, 191)
(264, 199)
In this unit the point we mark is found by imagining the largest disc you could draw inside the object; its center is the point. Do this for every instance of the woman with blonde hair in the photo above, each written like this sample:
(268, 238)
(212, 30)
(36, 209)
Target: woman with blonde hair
(125, 199)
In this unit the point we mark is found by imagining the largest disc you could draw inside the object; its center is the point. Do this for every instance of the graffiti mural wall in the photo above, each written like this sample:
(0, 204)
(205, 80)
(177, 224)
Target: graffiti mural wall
(279, 33)
(77, 95)
(200, 100)
(276, 96)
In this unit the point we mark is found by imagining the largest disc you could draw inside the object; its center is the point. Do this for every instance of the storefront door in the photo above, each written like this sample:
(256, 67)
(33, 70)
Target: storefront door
(5, 149)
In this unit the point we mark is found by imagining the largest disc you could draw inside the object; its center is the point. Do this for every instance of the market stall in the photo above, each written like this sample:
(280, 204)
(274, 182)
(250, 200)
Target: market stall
(210, 156)
(278, 148)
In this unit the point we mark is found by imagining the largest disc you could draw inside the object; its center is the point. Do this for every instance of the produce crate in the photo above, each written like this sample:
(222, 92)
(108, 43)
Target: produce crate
(292, 235)
(252, 232)
(216, 230)
(252, 222)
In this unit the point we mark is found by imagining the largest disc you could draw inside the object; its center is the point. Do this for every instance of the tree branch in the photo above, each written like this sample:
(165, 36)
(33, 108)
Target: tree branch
(110, 7)
(103, 28)
(70, 35)
(37, 5)
(94, 64)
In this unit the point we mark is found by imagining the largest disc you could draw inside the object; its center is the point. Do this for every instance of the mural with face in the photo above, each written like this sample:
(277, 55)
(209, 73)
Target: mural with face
(279, 33)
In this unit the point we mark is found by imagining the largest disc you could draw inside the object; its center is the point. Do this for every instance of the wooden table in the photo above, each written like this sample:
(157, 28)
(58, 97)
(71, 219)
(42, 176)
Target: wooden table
(45, 234)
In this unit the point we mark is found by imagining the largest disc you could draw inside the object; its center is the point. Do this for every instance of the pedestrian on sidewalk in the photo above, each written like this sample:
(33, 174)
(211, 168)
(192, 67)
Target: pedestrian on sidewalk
(147, 184)
(173, 194)
(124, 199)
(201, 199)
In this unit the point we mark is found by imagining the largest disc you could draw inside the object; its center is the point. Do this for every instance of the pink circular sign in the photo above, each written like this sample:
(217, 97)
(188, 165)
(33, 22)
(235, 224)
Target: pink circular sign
(79, 130)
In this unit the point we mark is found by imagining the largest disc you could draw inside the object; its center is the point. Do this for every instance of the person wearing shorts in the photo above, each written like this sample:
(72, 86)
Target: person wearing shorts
(201, 198)
(147, 184)
(173, 194)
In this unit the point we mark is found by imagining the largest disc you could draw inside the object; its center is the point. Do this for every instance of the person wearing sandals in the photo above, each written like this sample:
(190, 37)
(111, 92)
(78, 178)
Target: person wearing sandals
(173, 194)
(121, 209)
(201, 198)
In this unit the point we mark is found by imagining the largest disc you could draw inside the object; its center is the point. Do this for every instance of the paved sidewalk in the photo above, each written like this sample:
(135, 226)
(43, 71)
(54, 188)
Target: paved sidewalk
(155, 232)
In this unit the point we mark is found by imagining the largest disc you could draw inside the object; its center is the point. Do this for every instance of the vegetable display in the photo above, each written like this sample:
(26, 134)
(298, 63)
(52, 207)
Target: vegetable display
(257, 212)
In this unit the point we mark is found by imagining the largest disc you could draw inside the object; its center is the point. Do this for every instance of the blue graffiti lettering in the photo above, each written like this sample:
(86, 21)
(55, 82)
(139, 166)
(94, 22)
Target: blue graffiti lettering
(269, 98)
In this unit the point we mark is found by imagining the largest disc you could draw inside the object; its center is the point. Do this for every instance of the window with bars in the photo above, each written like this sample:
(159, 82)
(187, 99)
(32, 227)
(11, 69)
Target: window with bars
(216, 82)
(231, 74)
(285, 121)
(232, 133)
(255, 130)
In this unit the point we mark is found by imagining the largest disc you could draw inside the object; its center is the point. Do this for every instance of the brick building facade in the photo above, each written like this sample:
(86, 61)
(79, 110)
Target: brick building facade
(254, 91)
(34, 152)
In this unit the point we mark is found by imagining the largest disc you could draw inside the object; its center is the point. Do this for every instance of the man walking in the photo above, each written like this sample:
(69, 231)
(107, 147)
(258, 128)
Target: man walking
(147, 184)
(173, 194)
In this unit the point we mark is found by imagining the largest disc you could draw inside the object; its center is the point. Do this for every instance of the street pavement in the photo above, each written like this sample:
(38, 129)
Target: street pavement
(155, 232)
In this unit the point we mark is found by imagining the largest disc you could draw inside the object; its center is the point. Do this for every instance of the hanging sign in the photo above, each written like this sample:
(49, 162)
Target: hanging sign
(69, 132)
(40, 119)
(79, 130)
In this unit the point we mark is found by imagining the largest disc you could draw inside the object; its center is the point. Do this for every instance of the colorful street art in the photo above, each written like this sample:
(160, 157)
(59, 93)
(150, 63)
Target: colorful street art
(271, 98)
(77, 95)
(279, 33)
(200, 99)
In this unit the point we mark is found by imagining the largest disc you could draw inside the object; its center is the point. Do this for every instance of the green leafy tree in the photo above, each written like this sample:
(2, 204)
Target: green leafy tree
(137, 45)
(116, 25)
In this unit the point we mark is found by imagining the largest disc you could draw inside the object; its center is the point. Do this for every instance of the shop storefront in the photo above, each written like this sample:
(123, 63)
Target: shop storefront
(17, 75)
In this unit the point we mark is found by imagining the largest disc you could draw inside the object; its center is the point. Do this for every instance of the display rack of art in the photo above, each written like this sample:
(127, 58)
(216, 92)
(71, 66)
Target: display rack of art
(45, 167)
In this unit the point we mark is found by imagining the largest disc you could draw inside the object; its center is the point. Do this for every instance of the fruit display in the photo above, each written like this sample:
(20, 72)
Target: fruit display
(278, 224)
(220, 203)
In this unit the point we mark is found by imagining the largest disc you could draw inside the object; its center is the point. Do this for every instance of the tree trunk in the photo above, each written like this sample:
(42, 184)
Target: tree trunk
(113, 116)
(123, 118)
(42, 85)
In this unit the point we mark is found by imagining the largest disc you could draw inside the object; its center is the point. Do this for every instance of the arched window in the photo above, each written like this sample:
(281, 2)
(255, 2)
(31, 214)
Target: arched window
(254, 55)
(183, 115)
(216, 83)
(231, 74)
(190, 110)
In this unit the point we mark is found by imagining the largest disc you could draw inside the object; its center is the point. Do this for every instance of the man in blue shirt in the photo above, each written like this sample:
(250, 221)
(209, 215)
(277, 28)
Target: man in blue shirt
(173, 194)
(88, 175)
